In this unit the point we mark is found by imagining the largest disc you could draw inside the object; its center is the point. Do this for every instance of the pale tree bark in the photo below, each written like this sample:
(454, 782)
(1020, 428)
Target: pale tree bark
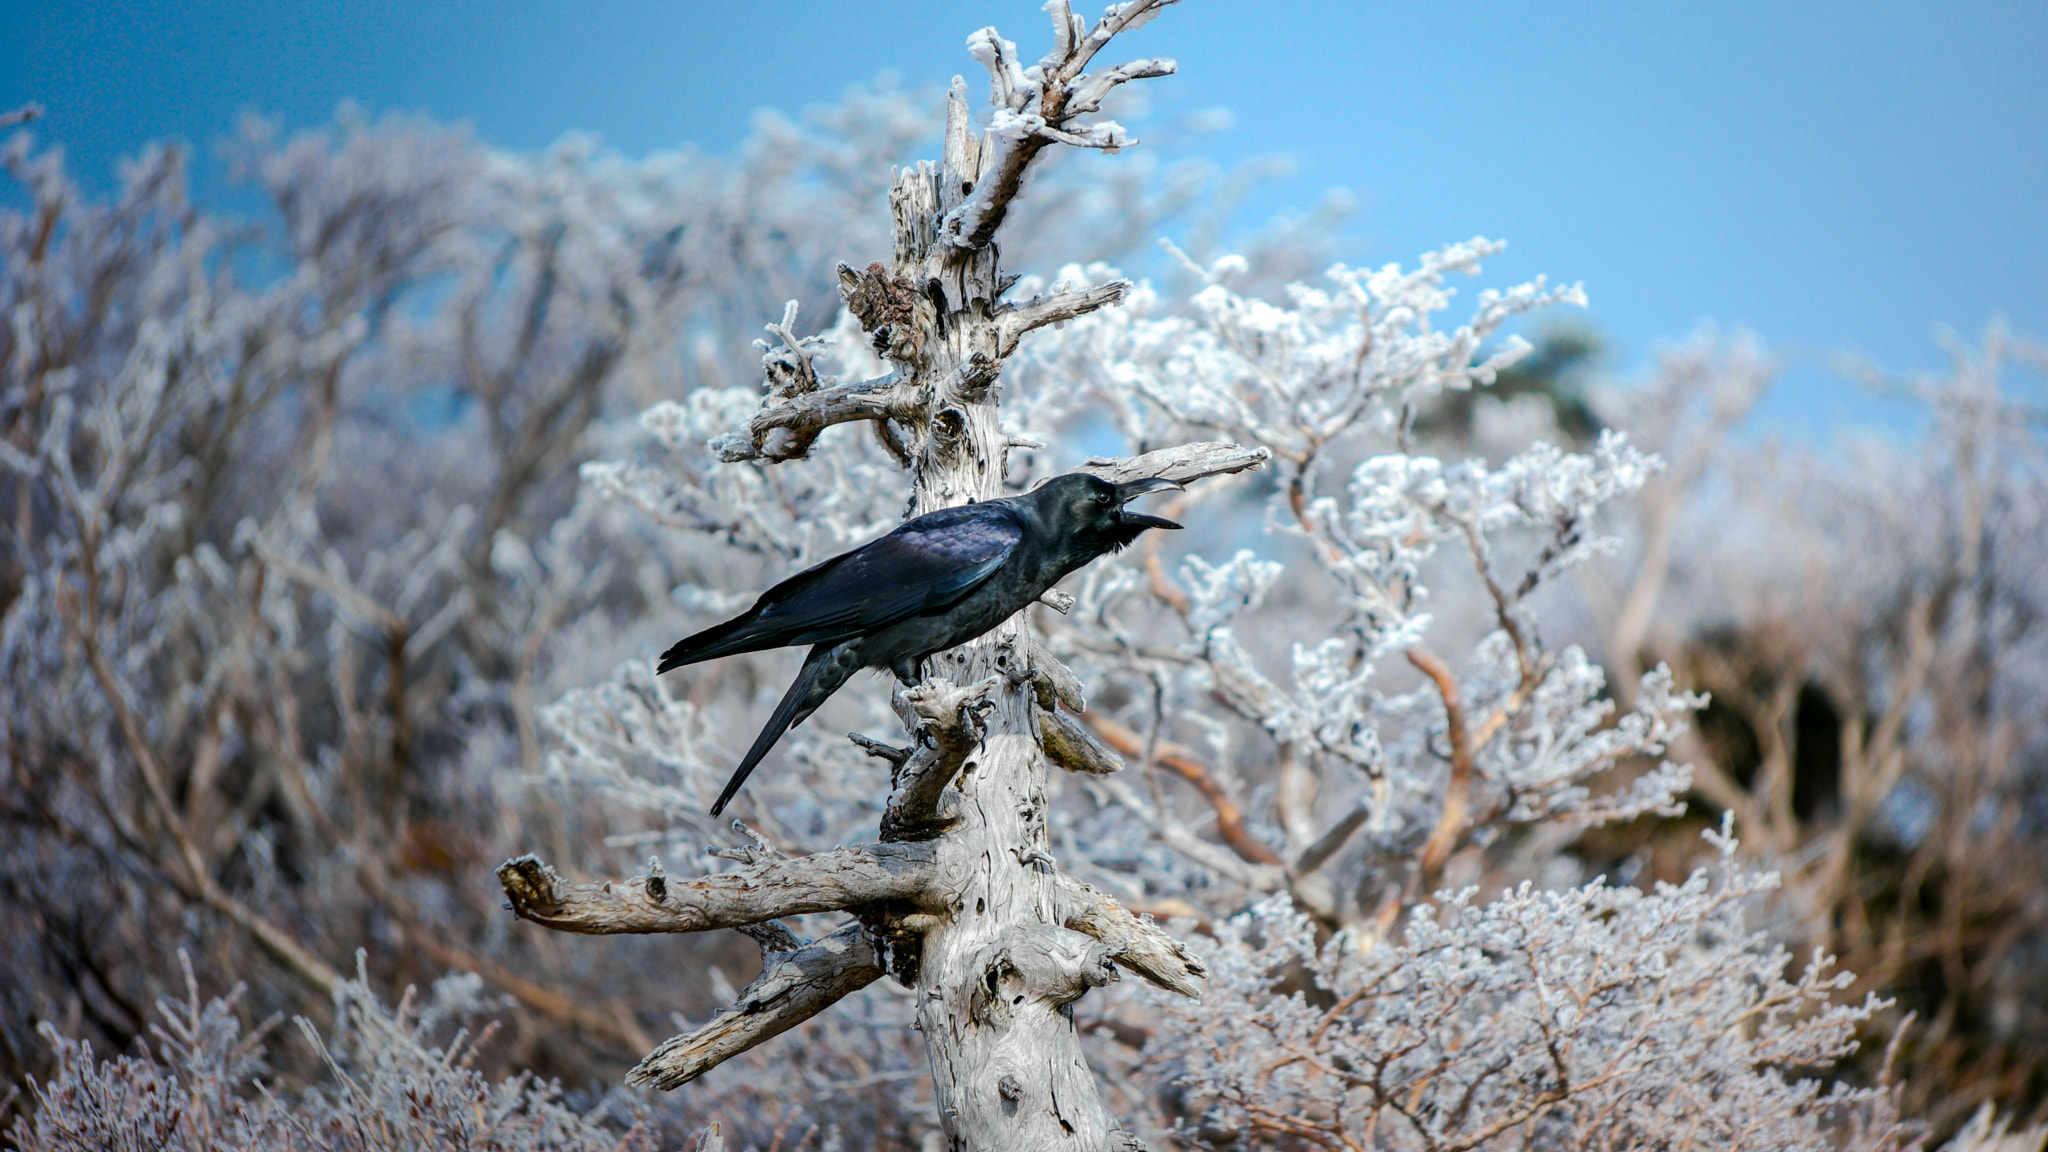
(961, 894)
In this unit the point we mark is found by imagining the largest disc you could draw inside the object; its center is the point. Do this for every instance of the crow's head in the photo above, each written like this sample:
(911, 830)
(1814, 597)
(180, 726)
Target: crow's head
(1088, 514)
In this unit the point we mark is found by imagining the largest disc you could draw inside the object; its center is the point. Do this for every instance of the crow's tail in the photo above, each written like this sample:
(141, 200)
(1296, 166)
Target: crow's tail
(825, 669)
(718, 640)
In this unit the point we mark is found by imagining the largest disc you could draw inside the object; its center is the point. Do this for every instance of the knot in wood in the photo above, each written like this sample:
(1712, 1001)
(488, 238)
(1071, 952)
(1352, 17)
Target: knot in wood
(1039, 965)
(977, 375)
(948, 427)
(657, 882)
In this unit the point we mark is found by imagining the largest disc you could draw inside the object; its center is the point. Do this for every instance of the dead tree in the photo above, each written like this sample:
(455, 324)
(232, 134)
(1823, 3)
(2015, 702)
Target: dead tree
(959, 897)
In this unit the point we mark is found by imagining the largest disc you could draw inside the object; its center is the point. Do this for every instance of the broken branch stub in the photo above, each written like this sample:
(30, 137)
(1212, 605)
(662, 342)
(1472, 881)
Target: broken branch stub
(1182, 465)
(948, 723)
(1069, 744)
(1014, 320)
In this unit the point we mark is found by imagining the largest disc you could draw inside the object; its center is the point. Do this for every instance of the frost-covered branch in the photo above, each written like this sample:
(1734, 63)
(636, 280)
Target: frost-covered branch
(1327, 386)
(1039, 106)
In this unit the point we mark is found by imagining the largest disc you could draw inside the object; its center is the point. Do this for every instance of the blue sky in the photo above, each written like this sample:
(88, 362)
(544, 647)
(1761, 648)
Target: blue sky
(1831, 175)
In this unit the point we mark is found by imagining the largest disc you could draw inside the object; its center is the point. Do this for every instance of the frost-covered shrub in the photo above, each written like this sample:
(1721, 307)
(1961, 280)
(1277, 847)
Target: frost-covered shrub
(1588, 1017)
(337, 584)
(1867, 617)
(200, 1084)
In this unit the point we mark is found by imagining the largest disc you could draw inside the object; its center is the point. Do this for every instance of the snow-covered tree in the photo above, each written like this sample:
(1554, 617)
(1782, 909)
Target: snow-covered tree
(338, 546)
(1001, 894)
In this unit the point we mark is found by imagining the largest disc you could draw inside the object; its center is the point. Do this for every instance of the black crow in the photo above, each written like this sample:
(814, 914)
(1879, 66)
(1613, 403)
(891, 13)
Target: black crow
(935, 582)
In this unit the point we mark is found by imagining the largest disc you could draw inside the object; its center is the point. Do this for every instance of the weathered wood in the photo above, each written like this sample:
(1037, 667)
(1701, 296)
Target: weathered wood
(947, 722)
(793, 987)
(1070, 744)
(1001, 944)
(803, 417)
(1133, 941)
(1182, 465)
(1053, 682)
(822, 882)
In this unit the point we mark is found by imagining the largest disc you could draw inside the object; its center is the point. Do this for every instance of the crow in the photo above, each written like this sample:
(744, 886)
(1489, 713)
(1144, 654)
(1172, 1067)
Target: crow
(937, 581)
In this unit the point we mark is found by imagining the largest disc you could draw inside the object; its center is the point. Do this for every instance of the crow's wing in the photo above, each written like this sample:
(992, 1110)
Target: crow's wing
(924, 566)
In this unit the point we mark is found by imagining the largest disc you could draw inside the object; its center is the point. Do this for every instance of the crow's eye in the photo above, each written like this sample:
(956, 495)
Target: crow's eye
(1104, 497)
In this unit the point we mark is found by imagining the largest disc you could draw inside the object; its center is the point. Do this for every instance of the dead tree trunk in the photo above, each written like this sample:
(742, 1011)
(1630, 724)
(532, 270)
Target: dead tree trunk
(997, 942)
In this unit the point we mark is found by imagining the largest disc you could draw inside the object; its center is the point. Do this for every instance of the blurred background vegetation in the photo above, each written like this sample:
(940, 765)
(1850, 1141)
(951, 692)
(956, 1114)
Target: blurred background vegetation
(294, 560)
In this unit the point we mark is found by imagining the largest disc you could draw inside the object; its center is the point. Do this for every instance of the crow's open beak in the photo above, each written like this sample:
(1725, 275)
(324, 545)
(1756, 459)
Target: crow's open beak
(1128, 492)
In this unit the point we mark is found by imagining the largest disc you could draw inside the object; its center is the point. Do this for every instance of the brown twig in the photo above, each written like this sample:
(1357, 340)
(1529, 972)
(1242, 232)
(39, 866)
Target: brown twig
(1458, 797)
(1181, 762)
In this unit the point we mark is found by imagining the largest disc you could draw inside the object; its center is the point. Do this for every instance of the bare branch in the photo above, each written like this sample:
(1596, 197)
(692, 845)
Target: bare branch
(1135, 942)
(1069, 744)
(1182, 763)
(1330, 843)
(1052, 682)
(772, 935)
(1458, 796)
(793, 987)
(880, 750)
(1182, 465)
(805, 415)
(822, 882)
(1013, 321)
(1038, 962)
